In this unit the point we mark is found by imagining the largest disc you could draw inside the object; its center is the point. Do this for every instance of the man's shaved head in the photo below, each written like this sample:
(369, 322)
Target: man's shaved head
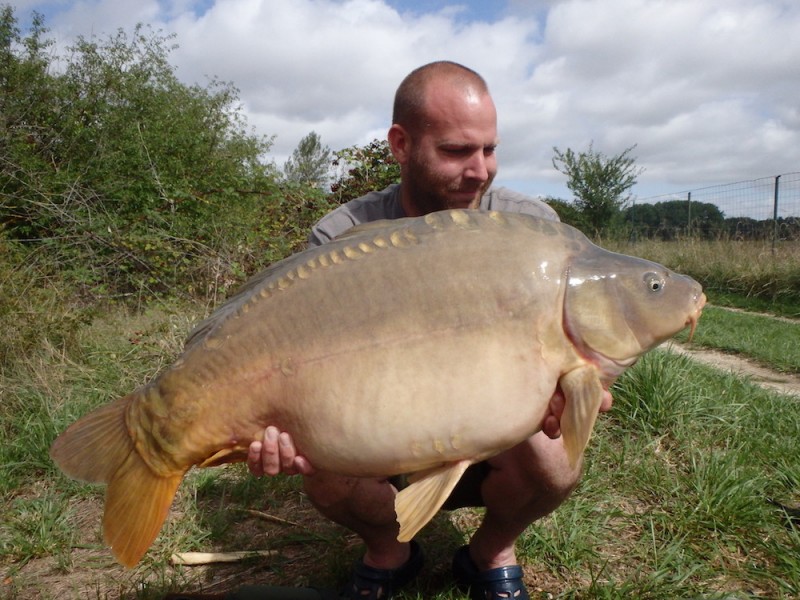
(410, 98)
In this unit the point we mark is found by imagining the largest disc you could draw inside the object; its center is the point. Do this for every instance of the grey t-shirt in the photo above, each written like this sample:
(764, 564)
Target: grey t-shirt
(386, 205)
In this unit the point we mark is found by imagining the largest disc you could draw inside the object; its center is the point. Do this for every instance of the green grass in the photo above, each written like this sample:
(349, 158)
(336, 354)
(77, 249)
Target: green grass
(674, 501)
(772, 342)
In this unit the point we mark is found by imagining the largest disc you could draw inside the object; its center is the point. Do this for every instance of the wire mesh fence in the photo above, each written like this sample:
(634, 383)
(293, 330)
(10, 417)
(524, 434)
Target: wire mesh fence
(761, 209)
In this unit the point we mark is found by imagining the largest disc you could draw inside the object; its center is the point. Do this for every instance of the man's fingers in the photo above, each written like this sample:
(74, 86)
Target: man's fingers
(302, 466)
(270, 456)
(608, 400)
(254, 459)
(551, 424)
(557, 403)
(551, 427)
(276, 453)
(287, 454)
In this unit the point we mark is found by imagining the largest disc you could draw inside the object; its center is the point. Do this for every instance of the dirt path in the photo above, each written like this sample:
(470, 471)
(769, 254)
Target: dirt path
(785, 383)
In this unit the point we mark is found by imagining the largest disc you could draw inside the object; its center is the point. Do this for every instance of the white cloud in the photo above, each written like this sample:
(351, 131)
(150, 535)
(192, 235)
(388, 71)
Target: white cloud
(707, 90)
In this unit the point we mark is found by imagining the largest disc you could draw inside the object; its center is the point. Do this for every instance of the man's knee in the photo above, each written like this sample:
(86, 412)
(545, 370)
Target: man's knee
(326, 489)
(539, 465)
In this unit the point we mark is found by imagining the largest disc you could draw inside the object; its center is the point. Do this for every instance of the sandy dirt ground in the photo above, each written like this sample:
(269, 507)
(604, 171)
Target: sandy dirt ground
(786, 383)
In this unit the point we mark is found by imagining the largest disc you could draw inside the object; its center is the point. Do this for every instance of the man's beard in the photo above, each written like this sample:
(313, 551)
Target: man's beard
(430, 192)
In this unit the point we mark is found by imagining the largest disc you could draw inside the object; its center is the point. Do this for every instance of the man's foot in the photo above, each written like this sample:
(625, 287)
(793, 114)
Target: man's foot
(503, 583)
(369, 583)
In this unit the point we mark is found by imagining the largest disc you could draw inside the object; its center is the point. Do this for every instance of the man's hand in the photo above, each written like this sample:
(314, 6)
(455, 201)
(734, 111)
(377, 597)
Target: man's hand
(275, 454)
(551, 425)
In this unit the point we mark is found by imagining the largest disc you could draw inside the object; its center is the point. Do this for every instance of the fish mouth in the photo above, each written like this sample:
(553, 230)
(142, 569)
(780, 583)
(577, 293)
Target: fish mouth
(695, 316)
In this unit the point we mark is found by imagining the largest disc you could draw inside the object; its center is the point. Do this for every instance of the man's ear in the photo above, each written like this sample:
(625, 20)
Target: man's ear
(399, 143)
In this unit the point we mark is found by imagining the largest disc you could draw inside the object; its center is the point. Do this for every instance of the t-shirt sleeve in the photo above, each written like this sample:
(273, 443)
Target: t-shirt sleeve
(333, 224)
(372, 207)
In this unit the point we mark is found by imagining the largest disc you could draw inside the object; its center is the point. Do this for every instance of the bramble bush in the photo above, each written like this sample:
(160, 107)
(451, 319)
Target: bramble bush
(120, 183)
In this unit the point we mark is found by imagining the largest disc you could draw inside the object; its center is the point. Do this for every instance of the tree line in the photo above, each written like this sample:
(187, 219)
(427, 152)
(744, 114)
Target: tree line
(674, 219)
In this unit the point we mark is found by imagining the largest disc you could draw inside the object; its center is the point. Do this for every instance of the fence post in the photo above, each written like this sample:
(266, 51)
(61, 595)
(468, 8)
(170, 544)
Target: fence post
(775, 214)
(689, 222)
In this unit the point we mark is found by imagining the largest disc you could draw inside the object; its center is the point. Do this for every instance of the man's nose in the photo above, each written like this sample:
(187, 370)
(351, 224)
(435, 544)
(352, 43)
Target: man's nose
(477, 167)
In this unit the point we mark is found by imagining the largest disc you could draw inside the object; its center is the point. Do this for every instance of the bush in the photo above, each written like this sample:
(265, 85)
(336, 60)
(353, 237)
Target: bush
(35, 304)
(132, 183)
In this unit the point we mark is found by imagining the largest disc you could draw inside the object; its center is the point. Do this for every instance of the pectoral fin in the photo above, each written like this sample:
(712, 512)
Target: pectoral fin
(416, 504)
(584, 394)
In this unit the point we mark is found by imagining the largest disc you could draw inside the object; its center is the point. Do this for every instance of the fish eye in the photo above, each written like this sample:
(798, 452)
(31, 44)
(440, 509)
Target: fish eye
(654, 282)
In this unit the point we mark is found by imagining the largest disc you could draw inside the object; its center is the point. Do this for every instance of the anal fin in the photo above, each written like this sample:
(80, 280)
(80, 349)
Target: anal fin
(584, 394)
(419, 502)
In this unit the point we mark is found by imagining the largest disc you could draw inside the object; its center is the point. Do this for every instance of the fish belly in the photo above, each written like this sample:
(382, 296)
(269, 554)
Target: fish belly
(417, 404)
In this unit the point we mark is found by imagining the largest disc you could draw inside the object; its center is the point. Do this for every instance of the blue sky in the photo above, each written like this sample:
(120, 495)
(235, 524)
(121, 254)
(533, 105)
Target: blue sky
(706, 89)
(473, 10)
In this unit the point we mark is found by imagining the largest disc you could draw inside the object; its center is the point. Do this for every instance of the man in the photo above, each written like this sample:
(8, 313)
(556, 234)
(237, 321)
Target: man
(444, 136)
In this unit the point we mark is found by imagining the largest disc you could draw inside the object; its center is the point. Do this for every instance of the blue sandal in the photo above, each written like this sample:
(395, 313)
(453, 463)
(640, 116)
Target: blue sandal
(503, 583)
(369, 583)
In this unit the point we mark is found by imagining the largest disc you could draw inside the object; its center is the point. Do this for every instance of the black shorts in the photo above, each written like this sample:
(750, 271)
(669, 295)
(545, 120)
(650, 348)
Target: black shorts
(467, 491)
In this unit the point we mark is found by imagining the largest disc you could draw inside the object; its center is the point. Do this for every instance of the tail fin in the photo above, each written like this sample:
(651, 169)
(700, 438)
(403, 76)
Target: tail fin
(94, 447)
(98, 448)
(137, 502)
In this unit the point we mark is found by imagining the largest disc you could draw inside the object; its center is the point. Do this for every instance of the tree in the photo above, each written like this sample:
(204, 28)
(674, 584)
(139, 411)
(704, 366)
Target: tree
(707, 220)
(644, 219)
(567, 212)
(364, 169)
(600, 183)
(672, 218)
(26, 105)
(309, 162)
